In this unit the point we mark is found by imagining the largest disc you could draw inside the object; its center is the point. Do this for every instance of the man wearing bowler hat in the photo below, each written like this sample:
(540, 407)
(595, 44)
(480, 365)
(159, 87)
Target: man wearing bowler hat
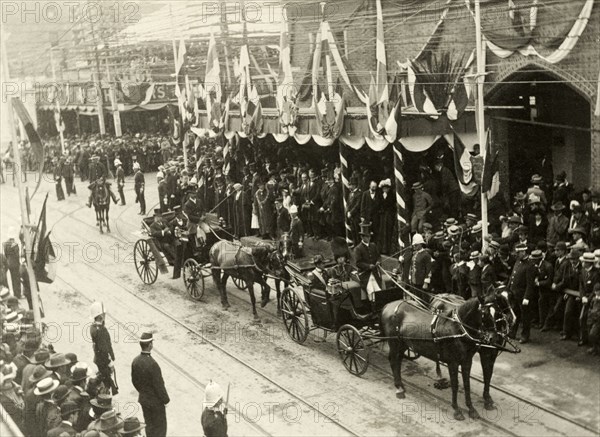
(148, 381)
(558, 224)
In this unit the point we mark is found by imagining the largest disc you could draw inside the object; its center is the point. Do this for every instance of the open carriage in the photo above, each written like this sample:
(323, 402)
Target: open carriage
(151, 256)
(337, 308)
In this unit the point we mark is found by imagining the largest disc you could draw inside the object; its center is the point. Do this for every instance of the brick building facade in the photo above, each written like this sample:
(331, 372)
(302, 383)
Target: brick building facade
(563, 94)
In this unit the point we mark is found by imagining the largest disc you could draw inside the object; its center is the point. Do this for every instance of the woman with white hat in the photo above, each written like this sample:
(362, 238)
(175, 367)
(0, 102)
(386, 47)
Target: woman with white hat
(214, 420)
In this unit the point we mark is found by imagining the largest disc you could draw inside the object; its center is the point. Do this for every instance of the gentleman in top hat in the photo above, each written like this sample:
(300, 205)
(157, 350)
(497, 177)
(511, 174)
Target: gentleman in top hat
(544, 275)
(283, 219)
(370, 205)
(367, 257)
(163, 194)
(102, 346)
(353, 208)
(521, 284)
(147, 379)
(214, 414)
(296, 232)
(558, 224)
(69, 412)
(193, 210)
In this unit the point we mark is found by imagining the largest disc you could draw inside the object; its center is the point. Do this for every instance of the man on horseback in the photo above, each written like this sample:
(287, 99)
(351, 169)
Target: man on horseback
(96, 171)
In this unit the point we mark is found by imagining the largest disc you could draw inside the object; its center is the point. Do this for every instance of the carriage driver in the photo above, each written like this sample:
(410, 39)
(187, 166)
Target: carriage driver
(161, 232)
(367, 261)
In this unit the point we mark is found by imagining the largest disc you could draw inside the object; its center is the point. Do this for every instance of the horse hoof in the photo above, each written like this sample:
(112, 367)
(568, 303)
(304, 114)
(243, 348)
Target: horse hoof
(442, 384)
(400, 395)
(458, 415)
(489, 405)
(473, 414)
(264, 302)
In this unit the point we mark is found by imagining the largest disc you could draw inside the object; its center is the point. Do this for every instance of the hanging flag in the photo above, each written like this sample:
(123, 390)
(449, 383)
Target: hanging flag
(174, 126)
(491, 172)
(212, 84)
(34, 139)
(44, 262)
(180, 66)
(286, 90)
(248, 98)
(463, 167)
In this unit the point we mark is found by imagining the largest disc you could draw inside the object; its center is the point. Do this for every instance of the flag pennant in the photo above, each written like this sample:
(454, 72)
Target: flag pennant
(212, 84)
(44, 262)
(34, 139)
(491, 172)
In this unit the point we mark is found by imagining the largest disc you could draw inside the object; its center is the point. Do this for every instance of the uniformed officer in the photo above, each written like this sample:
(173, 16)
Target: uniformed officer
(420, 267)
(120, 180)
(147, 379)
(521, 284)
(139, 186)
(102, 345)
(214, 414)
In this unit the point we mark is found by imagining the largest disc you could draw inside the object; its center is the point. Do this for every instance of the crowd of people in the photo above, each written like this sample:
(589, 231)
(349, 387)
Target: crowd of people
(54, 394)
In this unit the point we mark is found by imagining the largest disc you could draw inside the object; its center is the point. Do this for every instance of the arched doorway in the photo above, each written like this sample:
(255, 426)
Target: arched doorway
(546, 130)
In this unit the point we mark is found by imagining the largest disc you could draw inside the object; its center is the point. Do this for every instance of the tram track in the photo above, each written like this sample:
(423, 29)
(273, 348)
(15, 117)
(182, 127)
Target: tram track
(273, 316)
(192, 330)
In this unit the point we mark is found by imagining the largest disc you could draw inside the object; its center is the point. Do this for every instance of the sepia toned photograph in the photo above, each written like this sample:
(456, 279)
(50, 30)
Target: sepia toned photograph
(300, 218)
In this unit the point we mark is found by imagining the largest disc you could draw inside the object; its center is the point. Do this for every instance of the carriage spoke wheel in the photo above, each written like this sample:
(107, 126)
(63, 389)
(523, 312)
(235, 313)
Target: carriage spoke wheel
(239, 283)
(193, 278)
(145, 262)
(295, 316)
(411, 355)
(353, 350)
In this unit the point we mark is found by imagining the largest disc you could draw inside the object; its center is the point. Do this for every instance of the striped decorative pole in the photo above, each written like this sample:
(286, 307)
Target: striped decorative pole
(400, 192)
(346, 192)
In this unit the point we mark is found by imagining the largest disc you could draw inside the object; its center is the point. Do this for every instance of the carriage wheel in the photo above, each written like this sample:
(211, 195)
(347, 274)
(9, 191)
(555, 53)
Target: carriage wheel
(295, 316)
(353, 350)
(239, 283)
(145, 263)
(411, 355)
(193, 278)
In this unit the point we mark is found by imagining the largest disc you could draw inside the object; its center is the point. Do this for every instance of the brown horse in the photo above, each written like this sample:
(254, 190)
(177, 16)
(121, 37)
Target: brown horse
(450, 338)
(101, 195)
(498, 319)
(246, 263)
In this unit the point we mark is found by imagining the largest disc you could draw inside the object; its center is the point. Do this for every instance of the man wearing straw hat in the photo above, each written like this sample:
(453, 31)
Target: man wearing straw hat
(147, 379)
(214, 414)
(45, 406)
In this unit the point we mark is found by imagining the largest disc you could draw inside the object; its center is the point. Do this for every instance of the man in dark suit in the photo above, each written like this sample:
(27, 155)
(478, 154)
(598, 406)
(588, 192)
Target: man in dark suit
(544, 274)
(296, 232)
(120, 180)
(147, 379)
(367, 255)
(283, 217)
(521, 284)
(69, 412)
(139, 186)
(104, 355)
(369, 206)
(353, 209)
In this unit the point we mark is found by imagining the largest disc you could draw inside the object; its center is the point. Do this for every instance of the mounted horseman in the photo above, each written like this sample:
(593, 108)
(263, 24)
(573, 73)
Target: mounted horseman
(96, 171)
(100, 197)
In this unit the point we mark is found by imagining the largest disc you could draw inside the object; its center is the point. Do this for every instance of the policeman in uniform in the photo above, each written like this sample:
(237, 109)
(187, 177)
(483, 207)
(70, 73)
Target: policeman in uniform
(420, 267)
(139, 186)
(214, 415)
(521, 284)
(147, 379)
(102, 345)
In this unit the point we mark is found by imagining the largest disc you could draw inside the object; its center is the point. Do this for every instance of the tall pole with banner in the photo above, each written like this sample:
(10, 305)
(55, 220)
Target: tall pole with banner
(184, 135)
(481, 117)
(21, 191)
(345, 174)
(400, 193)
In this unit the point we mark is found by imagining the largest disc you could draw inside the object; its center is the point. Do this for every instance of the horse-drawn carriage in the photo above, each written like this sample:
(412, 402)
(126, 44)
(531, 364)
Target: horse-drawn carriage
(182, 252)
(336, 308)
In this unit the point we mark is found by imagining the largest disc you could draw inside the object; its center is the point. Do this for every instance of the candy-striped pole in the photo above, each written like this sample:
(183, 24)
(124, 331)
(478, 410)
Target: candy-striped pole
(346, 191)
(400, 192)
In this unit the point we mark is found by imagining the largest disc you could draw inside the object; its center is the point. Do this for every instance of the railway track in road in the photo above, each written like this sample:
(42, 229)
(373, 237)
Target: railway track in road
(442, 399)
(300, 399)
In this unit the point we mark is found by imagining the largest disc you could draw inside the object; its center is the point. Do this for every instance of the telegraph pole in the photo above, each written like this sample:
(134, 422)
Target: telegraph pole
(24, 216)
(481, 118)
(100, 97)
(184, 135)
(58, 123)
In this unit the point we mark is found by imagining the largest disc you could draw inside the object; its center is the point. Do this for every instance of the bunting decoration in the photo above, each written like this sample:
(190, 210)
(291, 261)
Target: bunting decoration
(212, 86)
(549, 31)
(329, 106)
(491, 173)
(248, 99)
(345, 174)
(463, 167)
(286, 92)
